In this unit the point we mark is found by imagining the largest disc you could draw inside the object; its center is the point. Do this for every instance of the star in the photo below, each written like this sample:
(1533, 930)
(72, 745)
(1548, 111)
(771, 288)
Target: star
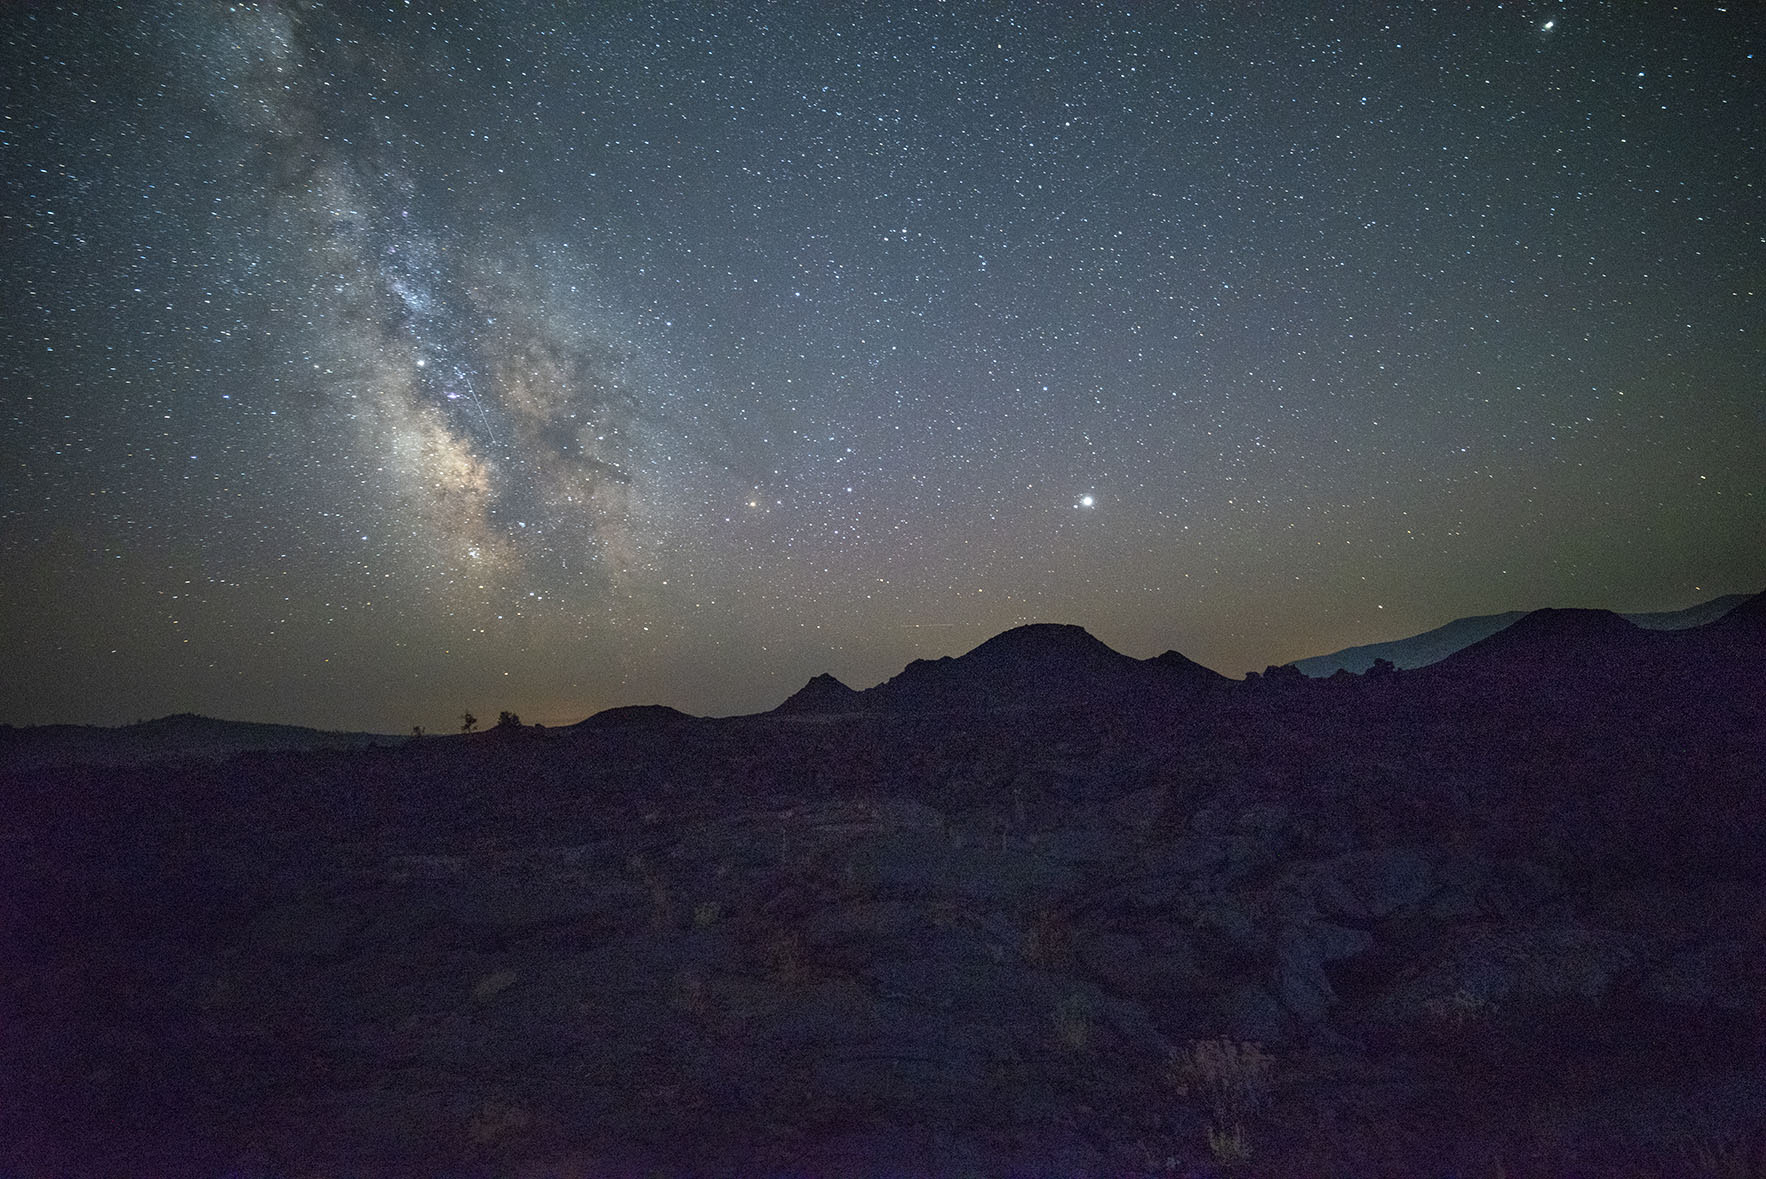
(566, 341)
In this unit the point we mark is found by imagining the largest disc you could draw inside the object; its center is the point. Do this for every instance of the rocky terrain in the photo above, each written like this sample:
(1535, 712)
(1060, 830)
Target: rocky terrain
(1038, 910)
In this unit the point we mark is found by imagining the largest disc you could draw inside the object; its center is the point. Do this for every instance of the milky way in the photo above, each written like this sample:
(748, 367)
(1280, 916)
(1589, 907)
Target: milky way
(473, 378)
(365, 364)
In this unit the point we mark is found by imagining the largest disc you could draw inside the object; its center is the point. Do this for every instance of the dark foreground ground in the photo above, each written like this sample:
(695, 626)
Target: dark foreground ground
(1496, 922)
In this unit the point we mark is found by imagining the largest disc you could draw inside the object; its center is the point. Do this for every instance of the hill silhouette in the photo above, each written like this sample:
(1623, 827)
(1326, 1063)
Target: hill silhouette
(177, 736)
(1041, 665)
(1432, 646)
(1037, 666)
(1569, 658)
(638, 715)
(823, 694)
(1748, 617)
(1555, 643)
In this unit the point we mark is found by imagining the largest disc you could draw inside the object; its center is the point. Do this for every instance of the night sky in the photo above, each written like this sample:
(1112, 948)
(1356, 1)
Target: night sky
(364, 363)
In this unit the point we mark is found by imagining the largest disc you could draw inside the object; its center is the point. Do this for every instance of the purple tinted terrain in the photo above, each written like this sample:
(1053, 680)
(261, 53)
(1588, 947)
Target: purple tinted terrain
(1505, 914)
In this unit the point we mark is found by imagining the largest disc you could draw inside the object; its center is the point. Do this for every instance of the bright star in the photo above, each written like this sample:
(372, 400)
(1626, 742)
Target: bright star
(1086, 501)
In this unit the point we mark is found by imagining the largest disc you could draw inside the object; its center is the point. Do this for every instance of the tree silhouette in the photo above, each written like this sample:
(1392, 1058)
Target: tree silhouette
(468, 722)
(508, 720)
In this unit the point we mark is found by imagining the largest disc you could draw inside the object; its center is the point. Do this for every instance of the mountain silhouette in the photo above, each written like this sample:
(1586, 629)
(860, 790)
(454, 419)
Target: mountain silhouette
(1176, 670)
(823, 695)
(1432, 646)
(1580, 638)
(1731, 652)
(1746, 618)
(1558, 659)
(1038, 666)
(1692, 616)
(633, 714)
(181, 735)
(1577, 663)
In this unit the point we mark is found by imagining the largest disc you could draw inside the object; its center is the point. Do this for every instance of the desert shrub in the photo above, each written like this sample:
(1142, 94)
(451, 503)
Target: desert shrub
(1233, 1078)
(1229, 1146)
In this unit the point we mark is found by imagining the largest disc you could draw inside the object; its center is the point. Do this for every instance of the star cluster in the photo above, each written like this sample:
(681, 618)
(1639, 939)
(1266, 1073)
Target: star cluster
(364, 363)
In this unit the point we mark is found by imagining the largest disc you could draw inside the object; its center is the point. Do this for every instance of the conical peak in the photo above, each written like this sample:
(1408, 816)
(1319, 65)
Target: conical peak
(822, 694)
(1058, 638)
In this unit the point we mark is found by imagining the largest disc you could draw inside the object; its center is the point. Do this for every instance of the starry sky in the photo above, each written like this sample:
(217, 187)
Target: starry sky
(362, 363)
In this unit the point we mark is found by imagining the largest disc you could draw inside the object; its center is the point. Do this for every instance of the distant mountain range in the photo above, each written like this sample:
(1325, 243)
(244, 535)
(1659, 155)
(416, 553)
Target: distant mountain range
(1598, 653)
(1050, 666)
(1432, 646)
(1046, 666)
(180, 735)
